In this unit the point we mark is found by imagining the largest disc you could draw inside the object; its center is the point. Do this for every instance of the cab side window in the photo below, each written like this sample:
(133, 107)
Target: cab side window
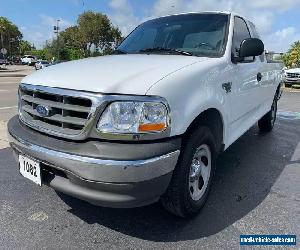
(240, 32)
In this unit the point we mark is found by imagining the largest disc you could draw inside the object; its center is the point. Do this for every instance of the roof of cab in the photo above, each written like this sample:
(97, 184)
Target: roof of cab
(200, 12)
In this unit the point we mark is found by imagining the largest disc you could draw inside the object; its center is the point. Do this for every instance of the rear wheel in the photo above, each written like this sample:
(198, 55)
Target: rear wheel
(193, 175)
(266, 123)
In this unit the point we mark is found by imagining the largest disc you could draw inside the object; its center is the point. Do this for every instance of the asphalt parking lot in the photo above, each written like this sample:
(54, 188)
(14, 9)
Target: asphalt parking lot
(256, 191)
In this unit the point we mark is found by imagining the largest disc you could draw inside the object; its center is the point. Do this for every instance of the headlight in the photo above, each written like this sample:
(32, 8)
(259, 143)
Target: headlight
(130, 117)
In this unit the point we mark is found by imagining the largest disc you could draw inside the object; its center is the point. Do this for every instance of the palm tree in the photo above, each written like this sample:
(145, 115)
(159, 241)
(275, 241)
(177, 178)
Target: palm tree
(292, 57)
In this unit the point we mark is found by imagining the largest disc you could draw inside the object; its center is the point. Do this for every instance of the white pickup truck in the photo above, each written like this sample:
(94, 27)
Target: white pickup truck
(28, 60)
(291, 77)
(148, 122)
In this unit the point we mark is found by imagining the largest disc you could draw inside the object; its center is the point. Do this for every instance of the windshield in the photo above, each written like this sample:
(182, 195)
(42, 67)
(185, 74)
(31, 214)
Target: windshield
(198, 34)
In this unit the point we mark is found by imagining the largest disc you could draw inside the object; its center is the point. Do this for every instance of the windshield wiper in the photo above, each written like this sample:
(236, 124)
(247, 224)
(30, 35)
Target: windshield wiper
(118, 52)
(169, 50)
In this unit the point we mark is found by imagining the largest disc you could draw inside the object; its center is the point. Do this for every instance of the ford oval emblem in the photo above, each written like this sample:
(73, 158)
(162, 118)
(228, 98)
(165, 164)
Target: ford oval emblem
(43, 111)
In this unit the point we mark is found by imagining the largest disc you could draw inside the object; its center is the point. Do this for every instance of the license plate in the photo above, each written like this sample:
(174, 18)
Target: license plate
(30, 169)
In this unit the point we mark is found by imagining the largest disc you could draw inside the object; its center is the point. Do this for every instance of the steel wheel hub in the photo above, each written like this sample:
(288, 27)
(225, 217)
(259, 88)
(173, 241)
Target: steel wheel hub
(200, 170)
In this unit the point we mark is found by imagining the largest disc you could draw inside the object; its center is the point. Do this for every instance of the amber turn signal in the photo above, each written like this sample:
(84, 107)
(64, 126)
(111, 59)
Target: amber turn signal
(152, 127)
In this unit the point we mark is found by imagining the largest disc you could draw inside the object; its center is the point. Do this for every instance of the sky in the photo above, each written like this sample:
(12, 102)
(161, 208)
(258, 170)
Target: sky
(278, 21)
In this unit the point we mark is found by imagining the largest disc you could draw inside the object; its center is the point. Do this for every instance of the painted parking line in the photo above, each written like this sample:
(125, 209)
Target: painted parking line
(296, 155)
(3, 144)
(288, 115)
(11, 77)
(8, 90)
(12, 107)
(11, 82)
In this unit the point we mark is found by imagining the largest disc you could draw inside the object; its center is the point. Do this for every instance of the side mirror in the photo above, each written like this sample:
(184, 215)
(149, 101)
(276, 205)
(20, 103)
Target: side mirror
(251, 47)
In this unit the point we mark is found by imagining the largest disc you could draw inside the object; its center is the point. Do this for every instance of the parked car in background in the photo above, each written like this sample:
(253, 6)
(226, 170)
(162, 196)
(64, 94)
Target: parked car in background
(148, 122)
(291, 77)
(3, 61)
(9, 61)
(14, 60)
(56, 62)
(40, 64)
(28, 60)
(17, 60)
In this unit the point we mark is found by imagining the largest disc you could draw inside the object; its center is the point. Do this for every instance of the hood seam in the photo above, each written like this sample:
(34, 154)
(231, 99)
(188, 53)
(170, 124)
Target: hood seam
(185, 66)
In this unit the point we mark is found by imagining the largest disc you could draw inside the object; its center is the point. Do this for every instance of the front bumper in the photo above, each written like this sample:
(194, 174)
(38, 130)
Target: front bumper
(292, 80)
(108, 174)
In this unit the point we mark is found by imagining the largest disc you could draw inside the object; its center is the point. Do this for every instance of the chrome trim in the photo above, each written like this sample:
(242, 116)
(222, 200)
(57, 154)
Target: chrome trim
(99, 102)
(96, 105)
(293, 75)
(84, 159)
(94, 169)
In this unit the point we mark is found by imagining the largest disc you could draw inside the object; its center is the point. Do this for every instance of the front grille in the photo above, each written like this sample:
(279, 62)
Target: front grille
(68, 114)
(293, 75)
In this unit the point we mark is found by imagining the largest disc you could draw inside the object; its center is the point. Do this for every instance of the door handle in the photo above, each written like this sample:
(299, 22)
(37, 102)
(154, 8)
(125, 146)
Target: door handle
(227, 86)
(259, 77)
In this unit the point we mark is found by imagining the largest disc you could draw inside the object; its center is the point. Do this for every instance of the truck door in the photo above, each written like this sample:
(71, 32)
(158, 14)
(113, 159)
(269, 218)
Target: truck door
(269, 76)
(245, 97)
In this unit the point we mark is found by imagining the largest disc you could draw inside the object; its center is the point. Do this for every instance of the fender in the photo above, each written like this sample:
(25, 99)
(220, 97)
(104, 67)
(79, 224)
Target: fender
(194, 89)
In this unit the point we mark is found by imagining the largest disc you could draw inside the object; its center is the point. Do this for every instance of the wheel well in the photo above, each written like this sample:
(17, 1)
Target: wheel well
(213, 120)
(278, 88)
(278, 93)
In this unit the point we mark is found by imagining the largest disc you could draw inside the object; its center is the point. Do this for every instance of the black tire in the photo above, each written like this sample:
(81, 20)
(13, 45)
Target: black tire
(266, 123)
(178, 199)
(288, 85)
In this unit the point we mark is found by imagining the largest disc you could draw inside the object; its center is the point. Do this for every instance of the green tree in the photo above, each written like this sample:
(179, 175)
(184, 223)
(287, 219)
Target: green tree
(25, 47)
(44, 53)
(71, 54)
(72, 44)
(72, 37)
(10, 35)
(292, 57)
(94, 35)
(97, 31)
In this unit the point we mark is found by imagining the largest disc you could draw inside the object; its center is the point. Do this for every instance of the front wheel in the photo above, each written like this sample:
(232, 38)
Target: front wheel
(266, 123)
(193, 175)
(288, 85)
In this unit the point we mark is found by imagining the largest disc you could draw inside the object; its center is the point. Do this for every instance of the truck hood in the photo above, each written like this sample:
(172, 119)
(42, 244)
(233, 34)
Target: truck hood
(295, 70)
(115, 74)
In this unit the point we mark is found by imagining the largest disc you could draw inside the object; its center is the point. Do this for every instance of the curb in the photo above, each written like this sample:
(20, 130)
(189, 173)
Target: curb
(13, 75)
(5, 70)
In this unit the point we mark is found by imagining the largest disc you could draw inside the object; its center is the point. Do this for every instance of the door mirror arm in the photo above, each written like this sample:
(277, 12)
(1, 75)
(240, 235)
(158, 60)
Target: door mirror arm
(236, 59)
